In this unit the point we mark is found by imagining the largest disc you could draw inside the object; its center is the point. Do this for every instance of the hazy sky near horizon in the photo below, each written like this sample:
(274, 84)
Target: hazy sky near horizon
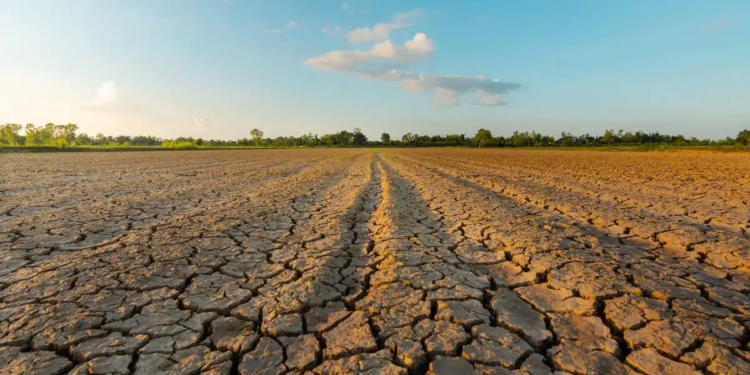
(218, 68)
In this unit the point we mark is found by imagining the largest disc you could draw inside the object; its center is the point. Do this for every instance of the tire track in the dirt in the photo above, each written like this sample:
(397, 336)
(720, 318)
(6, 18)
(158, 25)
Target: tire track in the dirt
(332, 258)
(426, 304)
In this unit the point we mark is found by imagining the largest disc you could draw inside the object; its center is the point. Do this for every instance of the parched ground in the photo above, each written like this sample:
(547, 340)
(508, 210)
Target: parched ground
(380, 263)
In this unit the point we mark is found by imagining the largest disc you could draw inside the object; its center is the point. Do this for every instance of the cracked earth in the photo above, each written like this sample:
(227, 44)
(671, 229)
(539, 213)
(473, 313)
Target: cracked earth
(358, 262)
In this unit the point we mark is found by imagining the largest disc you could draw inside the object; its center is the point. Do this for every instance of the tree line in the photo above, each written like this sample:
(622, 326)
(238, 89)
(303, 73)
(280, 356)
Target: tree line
(67, 136)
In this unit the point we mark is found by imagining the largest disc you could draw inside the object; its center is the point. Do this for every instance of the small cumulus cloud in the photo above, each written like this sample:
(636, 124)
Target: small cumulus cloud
(294, 25)
(345, 6)
(199, 127)
(111, 99)
(381, 31)
(381, 55)
(105, 95)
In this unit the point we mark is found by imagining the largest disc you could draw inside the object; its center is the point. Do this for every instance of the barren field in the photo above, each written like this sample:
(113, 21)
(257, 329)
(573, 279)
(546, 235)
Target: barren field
(375, 262)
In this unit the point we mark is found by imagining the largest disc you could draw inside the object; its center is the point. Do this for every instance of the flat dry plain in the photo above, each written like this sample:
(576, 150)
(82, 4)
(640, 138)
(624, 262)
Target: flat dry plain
(366, 262)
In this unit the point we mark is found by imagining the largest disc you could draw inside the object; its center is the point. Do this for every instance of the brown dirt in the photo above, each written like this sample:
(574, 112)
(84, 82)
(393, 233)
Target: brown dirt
(358, 262)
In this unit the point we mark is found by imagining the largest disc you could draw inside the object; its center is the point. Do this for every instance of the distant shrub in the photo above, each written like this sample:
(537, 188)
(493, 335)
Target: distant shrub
(179, 145)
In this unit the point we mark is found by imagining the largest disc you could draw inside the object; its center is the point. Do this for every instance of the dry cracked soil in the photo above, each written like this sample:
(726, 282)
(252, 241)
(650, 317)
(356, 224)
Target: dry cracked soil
(380, 263)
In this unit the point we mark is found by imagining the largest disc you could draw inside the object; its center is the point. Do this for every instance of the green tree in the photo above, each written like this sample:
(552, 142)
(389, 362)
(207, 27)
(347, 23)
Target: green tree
(358, 138)
(385, 138)
(9, 133)
(609, 137)
(566, 139)
(743, 138)
(257, 136)
(328, 140)
(344, 138)
(65, 135)
(409, 139)
(34, 135)
(84, 139)
(483, 137)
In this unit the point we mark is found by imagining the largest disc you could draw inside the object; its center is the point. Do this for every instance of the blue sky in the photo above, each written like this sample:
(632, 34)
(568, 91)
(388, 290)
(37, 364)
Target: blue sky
(218, 68)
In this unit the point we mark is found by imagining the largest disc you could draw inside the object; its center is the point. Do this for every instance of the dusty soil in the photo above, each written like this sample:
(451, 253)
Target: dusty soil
(358, 262)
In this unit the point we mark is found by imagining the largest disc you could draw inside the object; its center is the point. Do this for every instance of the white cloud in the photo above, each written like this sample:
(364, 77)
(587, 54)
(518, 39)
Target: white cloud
(383, 60)
(327, 29)
(345, 6)
(294, 25)
(381, 31)
(380, 57)
(378, 64)
(448, 87)
(198, 121)
(106, 94)
(445, 98)
(488, 99)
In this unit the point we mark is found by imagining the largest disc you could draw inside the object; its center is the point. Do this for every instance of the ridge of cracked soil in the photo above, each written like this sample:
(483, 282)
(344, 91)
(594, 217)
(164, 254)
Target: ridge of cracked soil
(353, 262)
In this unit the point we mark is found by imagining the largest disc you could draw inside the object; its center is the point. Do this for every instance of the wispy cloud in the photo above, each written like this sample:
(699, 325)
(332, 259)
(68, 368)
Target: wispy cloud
(381, 31)
(345, 6)
(449, 87)
(291, 25)
(327, 29)
(488, 99)
(483, 19)
(445, 98)
(717, 25)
